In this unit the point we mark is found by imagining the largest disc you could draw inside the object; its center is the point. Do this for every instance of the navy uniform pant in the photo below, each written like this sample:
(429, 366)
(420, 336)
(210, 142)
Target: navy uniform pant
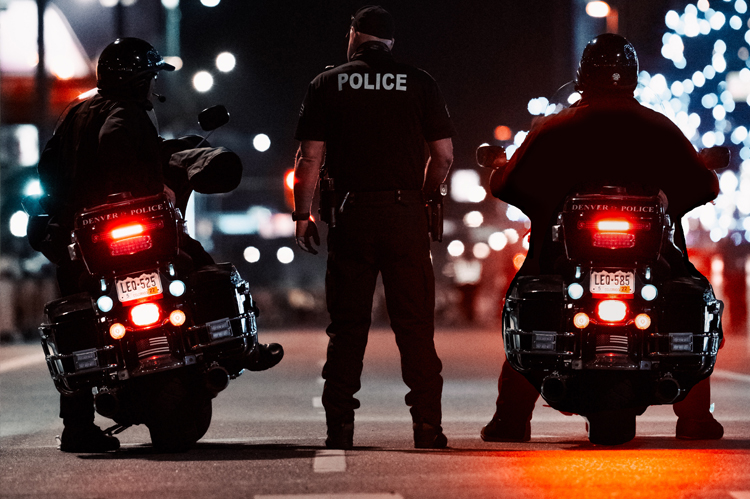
(391, 239)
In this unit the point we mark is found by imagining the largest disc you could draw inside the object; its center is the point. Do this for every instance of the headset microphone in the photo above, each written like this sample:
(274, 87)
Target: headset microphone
(159, 97)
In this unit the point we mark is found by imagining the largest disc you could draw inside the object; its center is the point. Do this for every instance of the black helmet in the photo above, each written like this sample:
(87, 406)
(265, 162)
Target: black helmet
(126, 61)
(608, 63)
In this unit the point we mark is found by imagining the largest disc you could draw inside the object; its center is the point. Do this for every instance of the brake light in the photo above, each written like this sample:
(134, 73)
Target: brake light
(612, 310)
(117, 331)
(127, 231)
(145, 314)
(177, 317)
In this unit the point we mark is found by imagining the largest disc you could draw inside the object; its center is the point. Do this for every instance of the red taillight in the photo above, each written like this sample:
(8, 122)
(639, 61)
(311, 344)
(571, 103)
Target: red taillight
(145, 314)
(612, 310)
(127, 231)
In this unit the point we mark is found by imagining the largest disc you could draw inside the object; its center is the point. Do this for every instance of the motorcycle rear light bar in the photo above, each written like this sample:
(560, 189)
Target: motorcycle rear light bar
(614, 225)
(125, 231)
(131, 245)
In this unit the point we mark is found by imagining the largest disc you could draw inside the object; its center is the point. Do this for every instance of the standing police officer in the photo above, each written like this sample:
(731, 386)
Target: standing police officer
(370, 119)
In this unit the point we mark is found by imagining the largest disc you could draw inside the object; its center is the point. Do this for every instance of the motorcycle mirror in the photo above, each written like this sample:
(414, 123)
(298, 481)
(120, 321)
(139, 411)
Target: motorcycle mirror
(213, 117)
(715, 158)
(491, 157)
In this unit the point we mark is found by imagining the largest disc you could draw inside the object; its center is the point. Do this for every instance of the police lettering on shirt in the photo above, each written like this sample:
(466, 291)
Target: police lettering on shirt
(387, 81)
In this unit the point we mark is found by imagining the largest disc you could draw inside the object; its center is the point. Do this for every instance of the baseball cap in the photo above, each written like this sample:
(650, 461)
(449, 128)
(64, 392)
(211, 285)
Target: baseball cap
(374, 20)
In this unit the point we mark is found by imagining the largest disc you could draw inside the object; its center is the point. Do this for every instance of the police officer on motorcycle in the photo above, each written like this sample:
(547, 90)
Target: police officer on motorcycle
(606, 135)
(370, 119)
(107, 142)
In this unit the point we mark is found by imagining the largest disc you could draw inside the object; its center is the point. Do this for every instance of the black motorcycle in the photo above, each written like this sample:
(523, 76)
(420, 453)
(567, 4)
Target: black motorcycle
(155, 339)
(612, 332)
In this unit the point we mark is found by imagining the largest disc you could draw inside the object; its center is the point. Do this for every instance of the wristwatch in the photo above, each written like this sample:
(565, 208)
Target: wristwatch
(300, 216)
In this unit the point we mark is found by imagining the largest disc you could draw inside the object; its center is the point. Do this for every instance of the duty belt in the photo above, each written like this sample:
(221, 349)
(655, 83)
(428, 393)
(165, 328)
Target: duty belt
(380, 197)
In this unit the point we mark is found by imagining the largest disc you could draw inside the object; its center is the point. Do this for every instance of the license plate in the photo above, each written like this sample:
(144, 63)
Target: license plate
(612, 283)
(133, 288)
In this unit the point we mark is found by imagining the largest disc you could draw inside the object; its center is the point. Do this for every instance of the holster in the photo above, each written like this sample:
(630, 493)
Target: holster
(327, 201)
(435, 212)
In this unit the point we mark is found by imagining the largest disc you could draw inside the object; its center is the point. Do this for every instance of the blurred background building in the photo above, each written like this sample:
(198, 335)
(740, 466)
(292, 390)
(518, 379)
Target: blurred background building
(498, 64)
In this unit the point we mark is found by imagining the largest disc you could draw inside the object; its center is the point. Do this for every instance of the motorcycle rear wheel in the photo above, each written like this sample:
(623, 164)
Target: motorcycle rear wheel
(611, 427)
(181, 416)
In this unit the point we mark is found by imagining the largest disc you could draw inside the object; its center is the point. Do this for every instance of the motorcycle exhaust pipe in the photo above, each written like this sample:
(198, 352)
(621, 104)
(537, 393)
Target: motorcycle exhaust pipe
(667, 389)
(217, 379)
(107, 403)
(554, 388)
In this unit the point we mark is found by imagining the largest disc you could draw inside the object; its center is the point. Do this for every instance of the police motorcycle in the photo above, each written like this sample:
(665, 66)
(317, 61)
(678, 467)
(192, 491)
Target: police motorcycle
(609, 335)
(158, 339)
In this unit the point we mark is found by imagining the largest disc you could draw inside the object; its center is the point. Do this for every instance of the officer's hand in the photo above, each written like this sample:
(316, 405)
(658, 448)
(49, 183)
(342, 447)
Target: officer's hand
(305, 230)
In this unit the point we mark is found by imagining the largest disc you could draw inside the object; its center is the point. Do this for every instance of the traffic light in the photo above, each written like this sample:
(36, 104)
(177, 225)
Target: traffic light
(289, 188)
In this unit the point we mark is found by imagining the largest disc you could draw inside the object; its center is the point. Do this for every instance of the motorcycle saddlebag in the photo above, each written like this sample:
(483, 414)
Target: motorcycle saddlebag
(214, 293)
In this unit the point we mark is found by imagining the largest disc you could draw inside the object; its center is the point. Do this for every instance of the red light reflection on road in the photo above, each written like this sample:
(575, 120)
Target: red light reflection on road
(594, 474)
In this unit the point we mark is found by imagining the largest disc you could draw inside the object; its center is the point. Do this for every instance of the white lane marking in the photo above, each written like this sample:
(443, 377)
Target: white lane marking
(21, 362)
(385, 495)
(317, 402)
(740, 495)
(720, 373)
(329, 461)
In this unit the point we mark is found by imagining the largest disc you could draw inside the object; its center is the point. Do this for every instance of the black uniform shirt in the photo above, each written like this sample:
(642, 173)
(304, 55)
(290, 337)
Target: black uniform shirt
(109, 146)
(375, 115)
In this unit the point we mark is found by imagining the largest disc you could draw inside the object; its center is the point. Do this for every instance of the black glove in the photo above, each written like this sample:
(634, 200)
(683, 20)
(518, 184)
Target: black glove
(304, 240)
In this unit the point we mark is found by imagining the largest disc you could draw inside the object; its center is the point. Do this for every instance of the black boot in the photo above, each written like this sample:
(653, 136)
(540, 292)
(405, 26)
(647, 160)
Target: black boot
(427, 436)
(87, 438)
(340, 436)
(502, 431)
(269, 354)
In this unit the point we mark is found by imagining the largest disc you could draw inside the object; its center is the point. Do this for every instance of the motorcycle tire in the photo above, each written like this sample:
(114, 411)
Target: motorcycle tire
(611, 427)
(181, 416)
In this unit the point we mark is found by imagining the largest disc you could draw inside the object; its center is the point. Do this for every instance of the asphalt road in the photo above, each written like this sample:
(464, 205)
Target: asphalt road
(267, 438)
